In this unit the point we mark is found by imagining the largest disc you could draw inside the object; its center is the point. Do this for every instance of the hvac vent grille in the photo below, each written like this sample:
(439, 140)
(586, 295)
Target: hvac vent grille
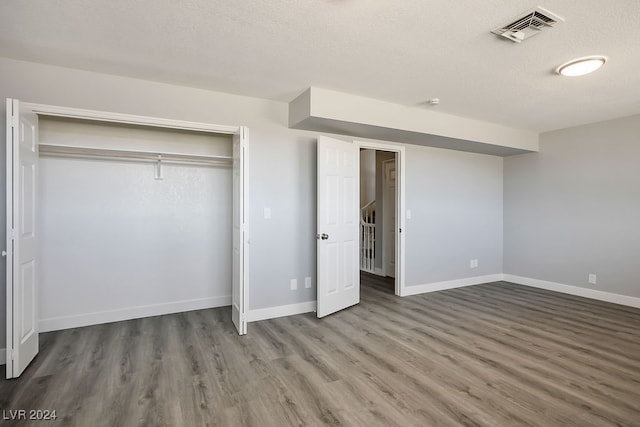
(528, 25)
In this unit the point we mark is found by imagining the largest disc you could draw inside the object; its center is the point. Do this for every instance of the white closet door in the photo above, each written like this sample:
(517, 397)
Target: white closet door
(338, 220)
(22, 238)
(240, 231)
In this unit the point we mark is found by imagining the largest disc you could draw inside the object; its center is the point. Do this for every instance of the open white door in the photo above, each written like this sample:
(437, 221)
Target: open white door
(338, 220)
(22, 237)
(240, 231)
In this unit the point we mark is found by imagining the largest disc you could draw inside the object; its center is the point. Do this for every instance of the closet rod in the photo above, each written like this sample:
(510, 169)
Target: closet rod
(69, 151)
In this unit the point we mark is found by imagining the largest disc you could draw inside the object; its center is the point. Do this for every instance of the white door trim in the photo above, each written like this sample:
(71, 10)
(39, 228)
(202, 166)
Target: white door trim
(106, 116)
(400, 205)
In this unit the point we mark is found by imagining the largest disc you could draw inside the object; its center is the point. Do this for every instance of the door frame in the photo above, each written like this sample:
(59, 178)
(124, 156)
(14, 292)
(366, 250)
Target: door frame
(121, 118)
(400, 205)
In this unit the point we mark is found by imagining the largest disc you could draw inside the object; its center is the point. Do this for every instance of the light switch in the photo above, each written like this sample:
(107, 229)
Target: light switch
(267, 213)
(408, 213)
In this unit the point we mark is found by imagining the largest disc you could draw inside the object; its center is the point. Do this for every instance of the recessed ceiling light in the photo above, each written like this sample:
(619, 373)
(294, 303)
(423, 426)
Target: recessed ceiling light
(581, 66)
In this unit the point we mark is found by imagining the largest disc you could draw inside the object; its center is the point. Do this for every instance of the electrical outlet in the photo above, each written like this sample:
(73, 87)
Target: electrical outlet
(307, 282)
(592, 279)
(267, 213)
(294, 284)
(408, 213)
(473, 263)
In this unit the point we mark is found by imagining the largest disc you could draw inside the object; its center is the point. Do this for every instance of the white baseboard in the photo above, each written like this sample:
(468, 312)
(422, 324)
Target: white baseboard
(450, 284)
(281, 311)
(3, 356)
(574, 290)
(96, 318)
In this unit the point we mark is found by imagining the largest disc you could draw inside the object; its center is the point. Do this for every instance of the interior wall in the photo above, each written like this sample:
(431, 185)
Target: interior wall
(114, 239)
(367, 176)
(381, 156)
(456, 197)
(572, 209)
(282, 247)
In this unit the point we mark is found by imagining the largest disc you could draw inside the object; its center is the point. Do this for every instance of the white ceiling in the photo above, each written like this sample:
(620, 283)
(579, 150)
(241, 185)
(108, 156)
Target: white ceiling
(399, 51)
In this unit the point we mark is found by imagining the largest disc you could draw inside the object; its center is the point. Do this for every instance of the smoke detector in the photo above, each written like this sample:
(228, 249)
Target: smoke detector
(528, 25)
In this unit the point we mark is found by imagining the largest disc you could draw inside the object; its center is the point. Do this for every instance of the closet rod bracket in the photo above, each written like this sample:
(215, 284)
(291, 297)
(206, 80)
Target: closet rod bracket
(159, 176)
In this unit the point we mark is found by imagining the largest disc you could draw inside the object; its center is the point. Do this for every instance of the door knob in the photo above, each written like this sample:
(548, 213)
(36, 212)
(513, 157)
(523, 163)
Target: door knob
(323, 236)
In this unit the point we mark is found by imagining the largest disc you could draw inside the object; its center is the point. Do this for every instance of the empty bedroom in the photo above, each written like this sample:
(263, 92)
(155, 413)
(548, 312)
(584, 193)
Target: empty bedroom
(350, 213)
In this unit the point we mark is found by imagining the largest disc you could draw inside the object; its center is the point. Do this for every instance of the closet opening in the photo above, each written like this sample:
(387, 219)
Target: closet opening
(133, 220)
(113, 216)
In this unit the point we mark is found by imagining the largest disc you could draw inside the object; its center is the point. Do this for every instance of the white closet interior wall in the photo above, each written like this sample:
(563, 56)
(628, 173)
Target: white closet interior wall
(118, 244)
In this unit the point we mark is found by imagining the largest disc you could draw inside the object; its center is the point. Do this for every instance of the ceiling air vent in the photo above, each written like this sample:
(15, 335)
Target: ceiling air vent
(528, 25)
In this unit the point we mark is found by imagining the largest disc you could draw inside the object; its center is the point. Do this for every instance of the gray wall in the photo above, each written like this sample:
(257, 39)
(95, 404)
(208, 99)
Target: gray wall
(455, 200)
(574, 208)
(282, 162)
(380, 157)
(367, 176)
(456, 197)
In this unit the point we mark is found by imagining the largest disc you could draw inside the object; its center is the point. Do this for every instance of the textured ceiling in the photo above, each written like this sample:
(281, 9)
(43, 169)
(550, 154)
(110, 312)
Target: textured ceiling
(399, 51)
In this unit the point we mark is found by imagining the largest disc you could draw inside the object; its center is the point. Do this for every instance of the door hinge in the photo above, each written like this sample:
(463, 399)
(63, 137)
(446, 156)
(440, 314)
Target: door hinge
(12, 234)
(9, 354)
(243, 317)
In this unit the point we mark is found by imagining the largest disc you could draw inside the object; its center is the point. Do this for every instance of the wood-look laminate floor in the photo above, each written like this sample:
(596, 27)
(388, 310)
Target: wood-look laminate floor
(489, 355)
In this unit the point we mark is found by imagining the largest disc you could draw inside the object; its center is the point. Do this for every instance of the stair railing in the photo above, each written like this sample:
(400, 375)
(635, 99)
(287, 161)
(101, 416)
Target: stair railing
(368, 237)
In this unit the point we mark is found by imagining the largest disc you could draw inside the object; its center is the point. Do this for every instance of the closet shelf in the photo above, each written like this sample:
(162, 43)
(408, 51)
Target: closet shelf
(133, 155)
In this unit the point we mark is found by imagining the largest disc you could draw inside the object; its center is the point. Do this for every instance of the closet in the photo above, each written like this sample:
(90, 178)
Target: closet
(129, 217)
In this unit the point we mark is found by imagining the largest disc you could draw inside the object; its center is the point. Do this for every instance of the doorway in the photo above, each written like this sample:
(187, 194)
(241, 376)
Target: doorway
(395, 156)
(338, 222)
(378, 215)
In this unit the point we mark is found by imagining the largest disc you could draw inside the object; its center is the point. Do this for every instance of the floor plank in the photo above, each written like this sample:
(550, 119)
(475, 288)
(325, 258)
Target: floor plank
(496, 354)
